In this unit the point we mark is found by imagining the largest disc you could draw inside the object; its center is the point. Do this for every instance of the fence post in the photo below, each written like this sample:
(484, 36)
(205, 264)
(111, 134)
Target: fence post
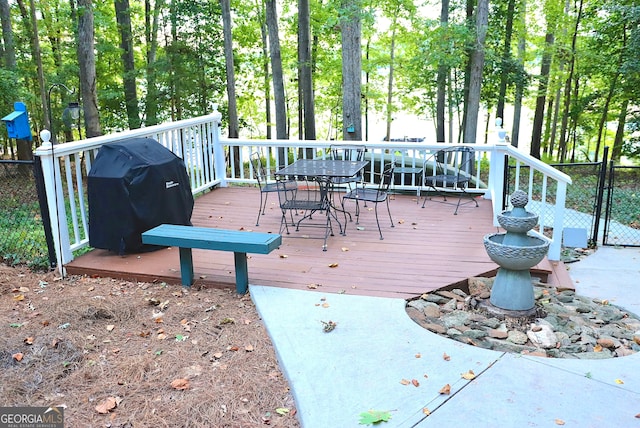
(601, 185)
(55, 202)
(497, 165)
(44, 210)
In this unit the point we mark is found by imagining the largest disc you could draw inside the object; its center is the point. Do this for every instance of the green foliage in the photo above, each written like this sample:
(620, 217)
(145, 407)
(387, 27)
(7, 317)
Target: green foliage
(372, 417)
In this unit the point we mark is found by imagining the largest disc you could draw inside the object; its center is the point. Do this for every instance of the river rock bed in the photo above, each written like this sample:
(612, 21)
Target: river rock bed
(564, 324)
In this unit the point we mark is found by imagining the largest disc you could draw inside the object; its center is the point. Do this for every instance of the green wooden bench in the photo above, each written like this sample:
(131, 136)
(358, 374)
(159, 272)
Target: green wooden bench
(188, 237)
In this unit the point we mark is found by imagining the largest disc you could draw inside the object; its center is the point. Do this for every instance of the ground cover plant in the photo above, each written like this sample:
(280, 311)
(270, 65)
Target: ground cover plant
(126, 354)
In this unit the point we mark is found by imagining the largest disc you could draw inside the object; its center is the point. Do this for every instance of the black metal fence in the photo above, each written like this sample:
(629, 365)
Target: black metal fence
(622, 209)
(605, 201)
(23, 239)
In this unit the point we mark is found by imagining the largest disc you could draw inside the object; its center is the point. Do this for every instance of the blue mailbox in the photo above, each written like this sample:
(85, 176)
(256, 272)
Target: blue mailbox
(18, 122)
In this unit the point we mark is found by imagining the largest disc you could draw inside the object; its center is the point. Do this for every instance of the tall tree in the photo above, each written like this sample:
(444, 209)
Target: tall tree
(87, 64)
(443, 71)
(278, 78)
(351, 33)
(232, 109)
(9, 56)
(506, 58)
(305, 70)
(476, 62)
(543, 80)
(123, 17)
(151, 15)
(567, 89)
(30, 21)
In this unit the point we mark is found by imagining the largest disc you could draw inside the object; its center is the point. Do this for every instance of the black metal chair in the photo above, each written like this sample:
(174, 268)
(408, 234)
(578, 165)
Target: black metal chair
(448, 170)
(260, 175)
(352, 152)
(373, 195)
(309, 196)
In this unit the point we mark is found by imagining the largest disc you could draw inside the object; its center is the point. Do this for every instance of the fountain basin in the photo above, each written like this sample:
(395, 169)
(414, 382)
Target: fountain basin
(521, 223)
(521, 257)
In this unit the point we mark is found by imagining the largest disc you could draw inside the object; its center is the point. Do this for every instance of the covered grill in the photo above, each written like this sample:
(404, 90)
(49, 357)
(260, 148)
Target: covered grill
(133, 186)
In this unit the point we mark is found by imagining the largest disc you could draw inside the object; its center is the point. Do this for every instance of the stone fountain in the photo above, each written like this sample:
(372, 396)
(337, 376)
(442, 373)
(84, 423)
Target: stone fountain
(515, 252)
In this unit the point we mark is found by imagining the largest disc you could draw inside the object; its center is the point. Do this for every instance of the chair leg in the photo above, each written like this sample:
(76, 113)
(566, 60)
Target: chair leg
(378, 222)
(389, 211)
(261, 209)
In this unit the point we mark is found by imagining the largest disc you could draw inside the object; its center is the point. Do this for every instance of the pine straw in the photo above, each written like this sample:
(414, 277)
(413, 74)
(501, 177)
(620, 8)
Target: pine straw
(96, 338)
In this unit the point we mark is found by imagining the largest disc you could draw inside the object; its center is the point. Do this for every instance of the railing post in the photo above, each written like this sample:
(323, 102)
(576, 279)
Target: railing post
(55, 202)
(218, 150)
(496, 182)
(558, 222)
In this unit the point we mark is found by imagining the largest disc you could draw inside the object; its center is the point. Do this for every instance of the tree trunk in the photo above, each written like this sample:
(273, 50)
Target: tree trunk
(29, 18)
(231, 81)
(538, 117)
(265, 65)
(617, 142)
(278, 79)
(151, 33)
(391, 67)
(87, 63)
(123, 17)
(441, 80)
(506, 60)
(562, 145)
(475, 76)
(9, 56)
(305, 67)
(517, 102)
(351, 71)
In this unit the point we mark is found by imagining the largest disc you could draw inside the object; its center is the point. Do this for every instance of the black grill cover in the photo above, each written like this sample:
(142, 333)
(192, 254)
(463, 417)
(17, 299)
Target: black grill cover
(133, 186)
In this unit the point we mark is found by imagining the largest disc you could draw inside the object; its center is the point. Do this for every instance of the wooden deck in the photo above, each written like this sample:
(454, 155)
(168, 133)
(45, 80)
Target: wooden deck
(427, 249)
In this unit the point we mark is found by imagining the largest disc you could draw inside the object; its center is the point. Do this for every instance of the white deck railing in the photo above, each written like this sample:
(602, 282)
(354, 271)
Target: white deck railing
(206, 155)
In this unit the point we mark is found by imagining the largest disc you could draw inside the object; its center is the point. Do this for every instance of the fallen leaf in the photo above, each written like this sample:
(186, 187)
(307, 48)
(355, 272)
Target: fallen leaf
(18, 297)
(333, 265)
(18, 356)
(446, 390)
(28, 340)
(426, 411)
(373, 417)
(110, 327)
(344, 249)
(233, 348)
(446, 357)
(619, 381)
(312, 286)
(597, 348)
(469, 375)
(325, 305)
(23, 289)
(283, 256)
(418, 355)
(107, 405)
(248, 348)
(180, 384)
(217, 355)
(405, 382)
(282, 411)
(415, 382)
(559, 422)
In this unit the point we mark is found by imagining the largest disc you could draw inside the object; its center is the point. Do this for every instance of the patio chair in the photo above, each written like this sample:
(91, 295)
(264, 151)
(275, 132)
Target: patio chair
(450, 169)
(309, 196)
(260, 175)
(374, 195)
(353, 152)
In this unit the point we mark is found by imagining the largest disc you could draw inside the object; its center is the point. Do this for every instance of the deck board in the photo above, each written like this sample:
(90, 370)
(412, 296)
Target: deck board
(427, 249)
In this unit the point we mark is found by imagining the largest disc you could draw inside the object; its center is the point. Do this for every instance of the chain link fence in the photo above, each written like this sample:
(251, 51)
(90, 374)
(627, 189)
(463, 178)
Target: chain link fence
(622, 226)
(23, 239)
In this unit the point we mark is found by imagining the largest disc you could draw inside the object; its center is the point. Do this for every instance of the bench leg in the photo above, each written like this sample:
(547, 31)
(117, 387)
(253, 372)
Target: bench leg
(186, 266)
(242, 273)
